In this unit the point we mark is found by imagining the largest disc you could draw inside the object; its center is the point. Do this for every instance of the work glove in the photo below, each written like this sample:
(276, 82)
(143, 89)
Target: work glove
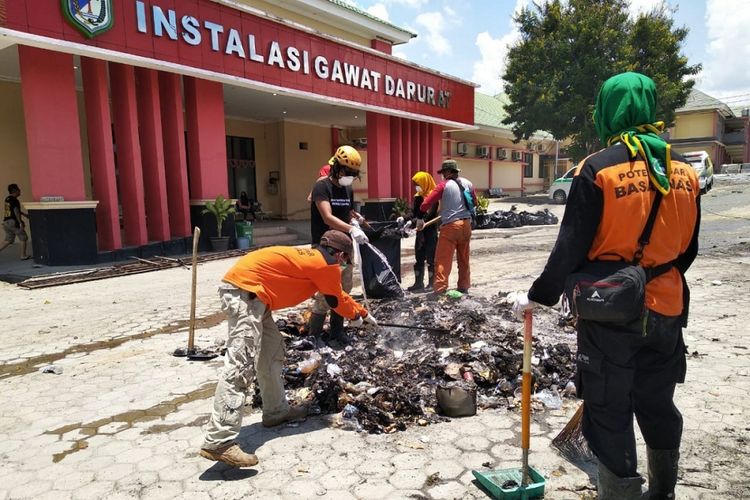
(358, 235)
(358, 321)
(420, 224)
(521, 303)
(370, 320)
(400, 221)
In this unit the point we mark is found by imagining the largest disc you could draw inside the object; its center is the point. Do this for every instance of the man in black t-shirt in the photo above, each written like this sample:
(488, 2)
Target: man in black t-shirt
(12, 222)
(332, 207)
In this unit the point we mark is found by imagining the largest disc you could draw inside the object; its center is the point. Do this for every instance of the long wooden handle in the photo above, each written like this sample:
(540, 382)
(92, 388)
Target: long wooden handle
(191, 335)
(430, 222)
(526, 396)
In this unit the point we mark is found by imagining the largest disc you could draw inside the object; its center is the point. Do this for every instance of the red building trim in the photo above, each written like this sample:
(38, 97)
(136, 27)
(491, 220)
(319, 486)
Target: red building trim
(53, 133)
(101, 152)
(125, 113)
(228, 41)
(206, 134)
(152, 151)
(175, 158)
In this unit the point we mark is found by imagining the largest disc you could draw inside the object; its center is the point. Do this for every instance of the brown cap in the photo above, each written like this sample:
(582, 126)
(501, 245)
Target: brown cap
(338, 240)
(449, 165)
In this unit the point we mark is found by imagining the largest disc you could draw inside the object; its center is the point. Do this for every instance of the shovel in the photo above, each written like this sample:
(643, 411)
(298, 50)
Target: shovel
(191, 352)
(526, 482)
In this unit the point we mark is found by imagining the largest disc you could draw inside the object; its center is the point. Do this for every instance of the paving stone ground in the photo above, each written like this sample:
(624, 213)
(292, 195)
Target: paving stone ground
(125, 418)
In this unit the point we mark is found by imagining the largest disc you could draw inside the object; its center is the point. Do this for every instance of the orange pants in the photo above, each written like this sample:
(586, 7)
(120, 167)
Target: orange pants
(454, 236)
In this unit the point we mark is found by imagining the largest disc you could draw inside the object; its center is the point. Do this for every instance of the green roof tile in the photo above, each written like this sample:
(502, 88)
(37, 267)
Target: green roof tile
(353, 8)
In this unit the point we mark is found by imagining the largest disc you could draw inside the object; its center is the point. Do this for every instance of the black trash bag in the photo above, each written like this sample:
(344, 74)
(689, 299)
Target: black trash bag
(502, 218)
(378, 280)
(484, 221)
(539, 218)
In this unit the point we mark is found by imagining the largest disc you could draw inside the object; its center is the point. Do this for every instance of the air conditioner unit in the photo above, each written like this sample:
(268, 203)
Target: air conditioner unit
(360, 142)
(483, 151)
(463, 148)
(516, 156)
(501, 154)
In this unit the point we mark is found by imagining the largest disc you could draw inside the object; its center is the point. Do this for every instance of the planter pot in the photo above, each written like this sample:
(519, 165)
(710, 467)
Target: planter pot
(219, 244)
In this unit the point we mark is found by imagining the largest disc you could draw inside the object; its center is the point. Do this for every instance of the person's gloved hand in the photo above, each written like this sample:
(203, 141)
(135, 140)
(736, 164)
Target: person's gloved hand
(370, 320)
(358, 235)
(420, 224)
(521, 303)
(355, 323)
(400, 221)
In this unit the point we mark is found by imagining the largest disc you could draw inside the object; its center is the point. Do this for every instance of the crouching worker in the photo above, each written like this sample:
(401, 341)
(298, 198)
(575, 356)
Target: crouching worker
(260, 282)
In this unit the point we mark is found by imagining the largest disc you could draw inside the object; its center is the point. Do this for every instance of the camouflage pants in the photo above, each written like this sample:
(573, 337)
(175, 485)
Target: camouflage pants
(255, 348)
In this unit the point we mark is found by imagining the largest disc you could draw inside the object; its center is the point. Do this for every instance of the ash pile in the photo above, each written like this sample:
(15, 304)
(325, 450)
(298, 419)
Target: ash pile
(385, 379)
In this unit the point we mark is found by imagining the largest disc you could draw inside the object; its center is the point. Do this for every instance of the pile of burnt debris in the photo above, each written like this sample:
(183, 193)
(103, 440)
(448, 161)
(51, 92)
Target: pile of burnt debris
(513, 218)
(385, 379)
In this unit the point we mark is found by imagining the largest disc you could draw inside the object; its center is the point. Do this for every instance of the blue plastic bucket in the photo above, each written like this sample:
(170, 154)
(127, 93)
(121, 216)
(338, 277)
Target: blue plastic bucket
(243, 243)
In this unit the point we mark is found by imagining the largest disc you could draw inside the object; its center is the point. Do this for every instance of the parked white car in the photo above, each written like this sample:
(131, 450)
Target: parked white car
(558, 191)
(701, 162)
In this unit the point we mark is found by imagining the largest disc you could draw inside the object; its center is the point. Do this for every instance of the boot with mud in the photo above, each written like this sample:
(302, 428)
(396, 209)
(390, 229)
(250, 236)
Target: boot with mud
(613, 487)
(418, 285)
(662, 474)
(294, 413)
(315, 324)
(231, 455)
(335, 330)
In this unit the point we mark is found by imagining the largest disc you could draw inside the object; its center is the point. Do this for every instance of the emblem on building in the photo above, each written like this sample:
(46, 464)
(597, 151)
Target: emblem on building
(90, 17)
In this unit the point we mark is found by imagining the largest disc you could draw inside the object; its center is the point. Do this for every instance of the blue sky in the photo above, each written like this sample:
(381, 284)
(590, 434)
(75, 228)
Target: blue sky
(469, 38)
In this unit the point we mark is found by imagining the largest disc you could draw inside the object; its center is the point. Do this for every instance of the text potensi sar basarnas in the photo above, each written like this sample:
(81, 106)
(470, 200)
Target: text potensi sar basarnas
(636, 181)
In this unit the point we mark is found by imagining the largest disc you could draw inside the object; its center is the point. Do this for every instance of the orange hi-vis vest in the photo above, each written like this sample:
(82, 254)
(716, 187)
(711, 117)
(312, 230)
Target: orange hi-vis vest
(285, 276)
(627, 199)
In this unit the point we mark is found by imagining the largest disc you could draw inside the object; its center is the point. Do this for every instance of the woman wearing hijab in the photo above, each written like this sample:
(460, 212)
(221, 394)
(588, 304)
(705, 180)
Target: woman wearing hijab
(626, 369)
(426, 239)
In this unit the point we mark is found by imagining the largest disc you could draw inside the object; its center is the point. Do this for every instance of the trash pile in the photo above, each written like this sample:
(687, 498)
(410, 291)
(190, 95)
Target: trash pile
(512, 218)
(385, 379)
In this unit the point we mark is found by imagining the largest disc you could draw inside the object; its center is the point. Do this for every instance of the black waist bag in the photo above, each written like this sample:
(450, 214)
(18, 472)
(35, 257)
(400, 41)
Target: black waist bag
(607, 292)
(614, 291)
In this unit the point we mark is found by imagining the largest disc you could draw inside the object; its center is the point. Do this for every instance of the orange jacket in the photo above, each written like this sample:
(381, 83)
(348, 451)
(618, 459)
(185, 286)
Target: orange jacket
(285, 276)
(627, 203)
(608, 205)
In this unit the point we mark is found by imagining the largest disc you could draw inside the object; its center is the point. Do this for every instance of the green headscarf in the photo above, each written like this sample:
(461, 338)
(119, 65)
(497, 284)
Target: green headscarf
(626, 112)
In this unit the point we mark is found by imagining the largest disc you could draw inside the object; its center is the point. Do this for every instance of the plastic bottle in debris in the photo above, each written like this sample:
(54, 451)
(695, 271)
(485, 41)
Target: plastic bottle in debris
(310, 364)
(349, 420)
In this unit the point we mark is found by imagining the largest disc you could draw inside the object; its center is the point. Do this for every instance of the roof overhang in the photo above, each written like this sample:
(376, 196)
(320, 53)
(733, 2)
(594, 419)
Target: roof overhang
(343, 18)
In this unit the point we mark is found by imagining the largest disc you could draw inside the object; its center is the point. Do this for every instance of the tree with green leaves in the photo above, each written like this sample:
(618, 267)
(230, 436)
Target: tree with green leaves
(568, 49)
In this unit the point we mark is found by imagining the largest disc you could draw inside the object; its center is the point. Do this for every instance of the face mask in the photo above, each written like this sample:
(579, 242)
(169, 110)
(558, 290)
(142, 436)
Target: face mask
(419, 189)
(346, 181)
(343, 265)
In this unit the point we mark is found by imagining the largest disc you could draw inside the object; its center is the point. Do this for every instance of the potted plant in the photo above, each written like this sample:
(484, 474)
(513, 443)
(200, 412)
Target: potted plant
(220, 208)
(482, 217)
(400, 208)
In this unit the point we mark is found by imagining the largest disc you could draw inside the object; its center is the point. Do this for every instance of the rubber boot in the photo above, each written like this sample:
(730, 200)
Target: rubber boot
(613, 487)
(336, 327)
(315, 325)
(418, 279)
(662, 474)
(430, 276)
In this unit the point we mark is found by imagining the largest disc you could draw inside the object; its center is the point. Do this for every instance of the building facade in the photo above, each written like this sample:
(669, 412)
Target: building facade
(707, 124)
(123, 117)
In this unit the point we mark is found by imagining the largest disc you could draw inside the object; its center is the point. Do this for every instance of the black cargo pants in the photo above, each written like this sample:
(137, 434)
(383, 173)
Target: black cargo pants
(424, 247)
(626, 370)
